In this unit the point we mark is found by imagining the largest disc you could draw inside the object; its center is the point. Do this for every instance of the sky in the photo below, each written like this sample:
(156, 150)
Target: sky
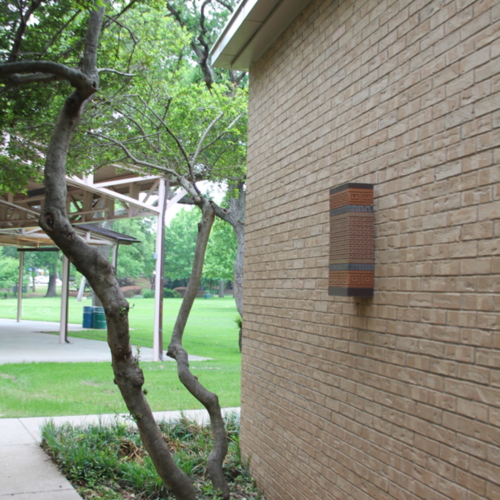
(216, 191)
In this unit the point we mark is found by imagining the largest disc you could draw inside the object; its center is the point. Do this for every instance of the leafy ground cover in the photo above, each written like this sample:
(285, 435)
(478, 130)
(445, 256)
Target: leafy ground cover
(109, 462)
(51, 389)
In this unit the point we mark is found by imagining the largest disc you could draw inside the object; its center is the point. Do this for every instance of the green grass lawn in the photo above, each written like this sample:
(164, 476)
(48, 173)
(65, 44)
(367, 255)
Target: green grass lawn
(50, 389)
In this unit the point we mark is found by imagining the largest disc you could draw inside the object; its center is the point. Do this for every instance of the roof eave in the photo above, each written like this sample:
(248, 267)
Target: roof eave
(253, 28)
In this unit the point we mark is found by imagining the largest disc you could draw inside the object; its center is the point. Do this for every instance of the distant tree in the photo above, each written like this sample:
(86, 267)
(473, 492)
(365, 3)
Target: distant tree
(48, 262)
(180, 244)
(52, 262)
(9, 270)
(136, 259)
(221, 252)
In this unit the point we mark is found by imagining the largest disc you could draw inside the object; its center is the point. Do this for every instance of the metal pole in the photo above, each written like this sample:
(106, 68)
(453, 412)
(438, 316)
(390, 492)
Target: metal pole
(63, 329)
(114, 257)
(20, 286)
(160, 261)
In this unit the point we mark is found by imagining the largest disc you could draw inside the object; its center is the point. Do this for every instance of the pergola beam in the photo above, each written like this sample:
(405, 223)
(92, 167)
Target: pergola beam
(110, 194)
(19, 207)
(130, 180)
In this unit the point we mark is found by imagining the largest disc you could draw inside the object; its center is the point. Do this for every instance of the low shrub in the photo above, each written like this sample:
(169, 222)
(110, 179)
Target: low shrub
(181, 290)
(170, 294)
(126, 282)
(148, 294)
(131, 291)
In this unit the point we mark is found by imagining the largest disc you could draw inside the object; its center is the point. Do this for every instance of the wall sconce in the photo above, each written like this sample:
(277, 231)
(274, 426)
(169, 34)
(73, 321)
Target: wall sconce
(352, 249)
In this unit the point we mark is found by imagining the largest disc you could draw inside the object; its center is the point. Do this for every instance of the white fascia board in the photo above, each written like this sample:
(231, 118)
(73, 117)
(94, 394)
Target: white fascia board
(253, 28)
(236, 32)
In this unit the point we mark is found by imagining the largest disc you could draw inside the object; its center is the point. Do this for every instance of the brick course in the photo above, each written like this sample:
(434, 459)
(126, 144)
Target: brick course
(395, 397)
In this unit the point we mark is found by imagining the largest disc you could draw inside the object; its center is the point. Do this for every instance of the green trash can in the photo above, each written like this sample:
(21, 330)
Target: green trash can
(99, 318)
(88, 317)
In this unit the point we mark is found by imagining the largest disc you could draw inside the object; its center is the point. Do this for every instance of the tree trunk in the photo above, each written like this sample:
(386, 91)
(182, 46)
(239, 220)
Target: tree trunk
(239, 229)
(176, 351)
(104, 251)
(235, 216)
(51, 287)
(99, 272)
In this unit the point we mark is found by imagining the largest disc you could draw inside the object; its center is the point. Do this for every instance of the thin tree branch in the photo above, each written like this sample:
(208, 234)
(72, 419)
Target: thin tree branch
(201, 53)
(175, 13)
(111, 70)
(202, 17)
(222, 134)
(114, 18)
(132, 157)
(179, 145)
(134, 39)
(167, 107)
(140, 110)
(226, 5)
(58, 33)
(139, 127)
(14, 53)
(204, 136)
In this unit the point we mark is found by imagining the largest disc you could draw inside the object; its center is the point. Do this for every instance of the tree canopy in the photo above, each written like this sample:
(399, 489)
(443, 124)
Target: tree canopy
(153, 105)
(41, 32)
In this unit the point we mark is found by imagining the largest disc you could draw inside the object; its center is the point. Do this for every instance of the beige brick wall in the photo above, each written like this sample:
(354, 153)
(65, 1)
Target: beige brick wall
(395, 397)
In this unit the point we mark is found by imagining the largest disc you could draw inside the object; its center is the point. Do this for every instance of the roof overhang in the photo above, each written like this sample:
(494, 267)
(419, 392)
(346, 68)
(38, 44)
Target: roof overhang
(253, 28)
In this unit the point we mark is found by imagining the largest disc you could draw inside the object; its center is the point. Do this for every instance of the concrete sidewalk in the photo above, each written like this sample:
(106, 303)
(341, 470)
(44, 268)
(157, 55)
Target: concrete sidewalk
(26, 342)
(27, 473)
